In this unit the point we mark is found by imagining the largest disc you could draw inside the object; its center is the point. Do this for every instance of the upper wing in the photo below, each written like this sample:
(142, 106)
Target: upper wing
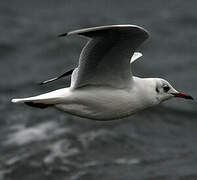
(105, 60)
(135, 56)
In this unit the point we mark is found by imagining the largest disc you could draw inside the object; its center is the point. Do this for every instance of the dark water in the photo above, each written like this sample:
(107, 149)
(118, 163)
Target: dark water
(157, 144)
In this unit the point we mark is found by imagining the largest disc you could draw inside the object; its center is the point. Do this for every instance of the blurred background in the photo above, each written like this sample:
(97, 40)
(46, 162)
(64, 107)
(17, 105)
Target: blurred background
(157, 144)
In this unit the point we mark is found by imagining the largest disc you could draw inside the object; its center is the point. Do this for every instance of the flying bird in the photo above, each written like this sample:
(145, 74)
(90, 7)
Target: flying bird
(103, 86)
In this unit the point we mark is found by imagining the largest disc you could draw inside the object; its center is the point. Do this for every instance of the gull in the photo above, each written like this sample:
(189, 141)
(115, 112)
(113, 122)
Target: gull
(103, 86)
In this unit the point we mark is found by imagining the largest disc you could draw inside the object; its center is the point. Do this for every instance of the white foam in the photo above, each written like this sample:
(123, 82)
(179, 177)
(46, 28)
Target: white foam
(23, 135)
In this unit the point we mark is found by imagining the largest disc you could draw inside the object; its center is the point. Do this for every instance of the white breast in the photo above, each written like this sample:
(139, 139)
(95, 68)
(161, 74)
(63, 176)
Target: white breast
(102, 103)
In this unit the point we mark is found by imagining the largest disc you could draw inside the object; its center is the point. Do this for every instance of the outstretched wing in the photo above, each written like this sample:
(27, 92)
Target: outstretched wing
(136, 55)
(105, 59)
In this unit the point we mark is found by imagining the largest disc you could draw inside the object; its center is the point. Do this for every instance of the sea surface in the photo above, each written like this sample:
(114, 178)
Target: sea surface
(157, 144)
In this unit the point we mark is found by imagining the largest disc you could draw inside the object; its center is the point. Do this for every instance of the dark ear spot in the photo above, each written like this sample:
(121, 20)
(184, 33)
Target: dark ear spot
(157, 89)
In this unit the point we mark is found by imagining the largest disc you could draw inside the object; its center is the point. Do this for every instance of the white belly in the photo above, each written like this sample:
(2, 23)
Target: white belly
(101, 104)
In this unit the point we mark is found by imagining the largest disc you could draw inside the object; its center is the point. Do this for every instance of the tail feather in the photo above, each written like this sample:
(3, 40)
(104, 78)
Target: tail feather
(30, 99)
(36, 101)
(19, 100)
(43, 100)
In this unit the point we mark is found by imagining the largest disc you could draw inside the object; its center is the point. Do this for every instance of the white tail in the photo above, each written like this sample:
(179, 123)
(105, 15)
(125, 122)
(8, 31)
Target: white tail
(20, 100)
(43, 100)
(40, 101)
(35, 99)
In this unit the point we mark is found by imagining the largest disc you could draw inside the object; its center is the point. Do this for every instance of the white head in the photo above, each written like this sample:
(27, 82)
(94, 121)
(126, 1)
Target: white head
(164, 91)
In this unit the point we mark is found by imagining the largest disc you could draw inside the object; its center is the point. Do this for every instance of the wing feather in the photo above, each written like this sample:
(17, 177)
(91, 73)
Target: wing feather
(105, 59)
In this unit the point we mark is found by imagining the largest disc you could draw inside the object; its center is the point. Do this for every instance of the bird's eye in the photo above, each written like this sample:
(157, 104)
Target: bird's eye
(166, 88)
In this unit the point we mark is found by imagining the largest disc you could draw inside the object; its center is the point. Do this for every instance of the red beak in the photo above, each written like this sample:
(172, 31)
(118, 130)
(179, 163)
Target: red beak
(182, 95)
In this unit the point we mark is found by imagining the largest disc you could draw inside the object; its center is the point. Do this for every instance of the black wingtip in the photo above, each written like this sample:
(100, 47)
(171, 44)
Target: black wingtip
(38, 105)
(48, 81)
(56, 78)
(62, 35)
(41, 83)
